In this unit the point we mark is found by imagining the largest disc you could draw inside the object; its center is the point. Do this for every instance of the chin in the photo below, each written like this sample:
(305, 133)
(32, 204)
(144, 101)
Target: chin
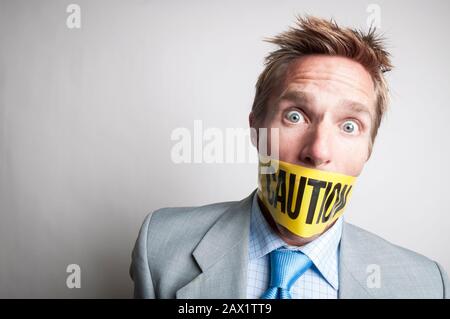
(287, 234)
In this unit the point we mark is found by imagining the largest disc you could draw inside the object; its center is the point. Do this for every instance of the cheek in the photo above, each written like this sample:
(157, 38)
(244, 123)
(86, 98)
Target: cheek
(290, 144)
(354, 167)
(351, 156)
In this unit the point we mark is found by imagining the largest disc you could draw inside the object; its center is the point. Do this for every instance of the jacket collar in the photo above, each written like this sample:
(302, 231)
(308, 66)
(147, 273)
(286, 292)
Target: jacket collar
(222, 256)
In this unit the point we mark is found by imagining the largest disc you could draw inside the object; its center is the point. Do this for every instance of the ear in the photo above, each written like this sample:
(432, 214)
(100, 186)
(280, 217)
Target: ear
(253, 130)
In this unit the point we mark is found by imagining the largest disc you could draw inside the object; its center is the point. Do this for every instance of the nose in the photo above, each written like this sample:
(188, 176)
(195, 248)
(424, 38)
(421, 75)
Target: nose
(317, 147)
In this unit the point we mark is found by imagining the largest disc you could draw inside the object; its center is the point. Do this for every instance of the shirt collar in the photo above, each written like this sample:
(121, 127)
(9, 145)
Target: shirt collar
(323, 251)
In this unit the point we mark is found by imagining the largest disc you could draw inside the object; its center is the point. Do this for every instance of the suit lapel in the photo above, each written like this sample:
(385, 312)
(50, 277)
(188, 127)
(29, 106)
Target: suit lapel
(222, 255)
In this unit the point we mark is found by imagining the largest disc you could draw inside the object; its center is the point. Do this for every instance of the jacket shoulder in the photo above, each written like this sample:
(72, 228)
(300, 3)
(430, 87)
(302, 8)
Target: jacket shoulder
(197, 217)
(171, 234)
(182, 227)
(404, 273)
(373, 243)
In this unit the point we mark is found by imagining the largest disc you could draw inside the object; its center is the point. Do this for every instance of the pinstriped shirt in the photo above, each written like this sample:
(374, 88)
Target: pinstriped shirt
(318, 282)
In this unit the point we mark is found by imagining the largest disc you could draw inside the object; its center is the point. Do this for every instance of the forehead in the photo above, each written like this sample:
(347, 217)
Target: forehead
(339, 77)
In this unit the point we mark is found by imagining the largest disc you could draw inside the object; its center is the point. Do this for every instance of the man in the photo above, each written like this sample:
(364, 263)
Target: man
(324, 92)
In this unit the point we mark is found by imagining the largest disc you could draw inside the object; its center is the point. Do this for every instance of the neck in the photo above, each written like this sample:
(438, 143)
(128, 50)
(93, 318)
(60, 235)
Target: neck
(287, 236)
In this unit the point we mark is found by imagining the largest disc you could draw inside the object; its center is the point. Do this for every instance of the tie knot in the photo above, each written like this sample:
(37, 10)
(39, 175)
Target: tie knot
(286, 266)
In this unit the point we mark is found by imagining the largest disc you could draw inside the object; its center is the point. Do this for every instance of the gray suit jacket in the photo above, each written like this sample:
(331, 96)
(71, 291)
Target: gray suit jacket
(202, 252)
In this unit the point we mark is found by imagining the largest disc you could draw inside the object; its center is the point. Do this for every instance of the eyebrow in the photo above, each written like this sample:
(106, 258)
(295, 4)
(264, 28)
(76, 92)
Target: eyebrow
(356, 107)
(296, 96)
(300, 97)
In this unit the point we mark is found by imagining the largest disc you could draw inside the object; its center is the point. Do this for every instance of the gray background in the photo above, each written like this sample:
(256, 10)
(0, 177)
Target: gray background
(86, 116)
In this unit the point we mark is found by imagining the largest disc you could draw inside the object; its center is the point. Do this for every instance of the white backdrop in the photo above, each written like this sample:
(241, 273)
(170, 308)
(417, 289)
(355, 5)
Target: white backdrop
(86, 117)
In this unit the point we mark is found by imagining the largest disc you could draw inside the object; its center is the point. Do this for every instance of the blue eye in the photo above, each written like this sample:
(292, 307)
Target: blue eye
(350, 127)
(295, 116)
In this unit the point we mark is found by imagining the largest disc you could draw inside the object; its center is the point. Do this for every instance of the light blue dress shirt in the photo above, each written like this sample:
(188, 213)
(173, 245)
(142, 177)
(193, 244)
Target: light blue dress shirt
(321, 281)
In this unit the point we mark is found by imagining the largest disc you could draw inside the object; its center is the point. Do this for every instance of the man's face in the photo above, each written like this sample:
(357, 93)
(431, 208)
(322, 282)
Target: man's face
(324, 110)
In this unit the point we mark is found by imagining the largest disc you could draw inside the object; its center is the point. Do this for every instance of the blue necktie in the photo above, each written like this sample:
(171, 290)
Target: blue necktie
(286, 266)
